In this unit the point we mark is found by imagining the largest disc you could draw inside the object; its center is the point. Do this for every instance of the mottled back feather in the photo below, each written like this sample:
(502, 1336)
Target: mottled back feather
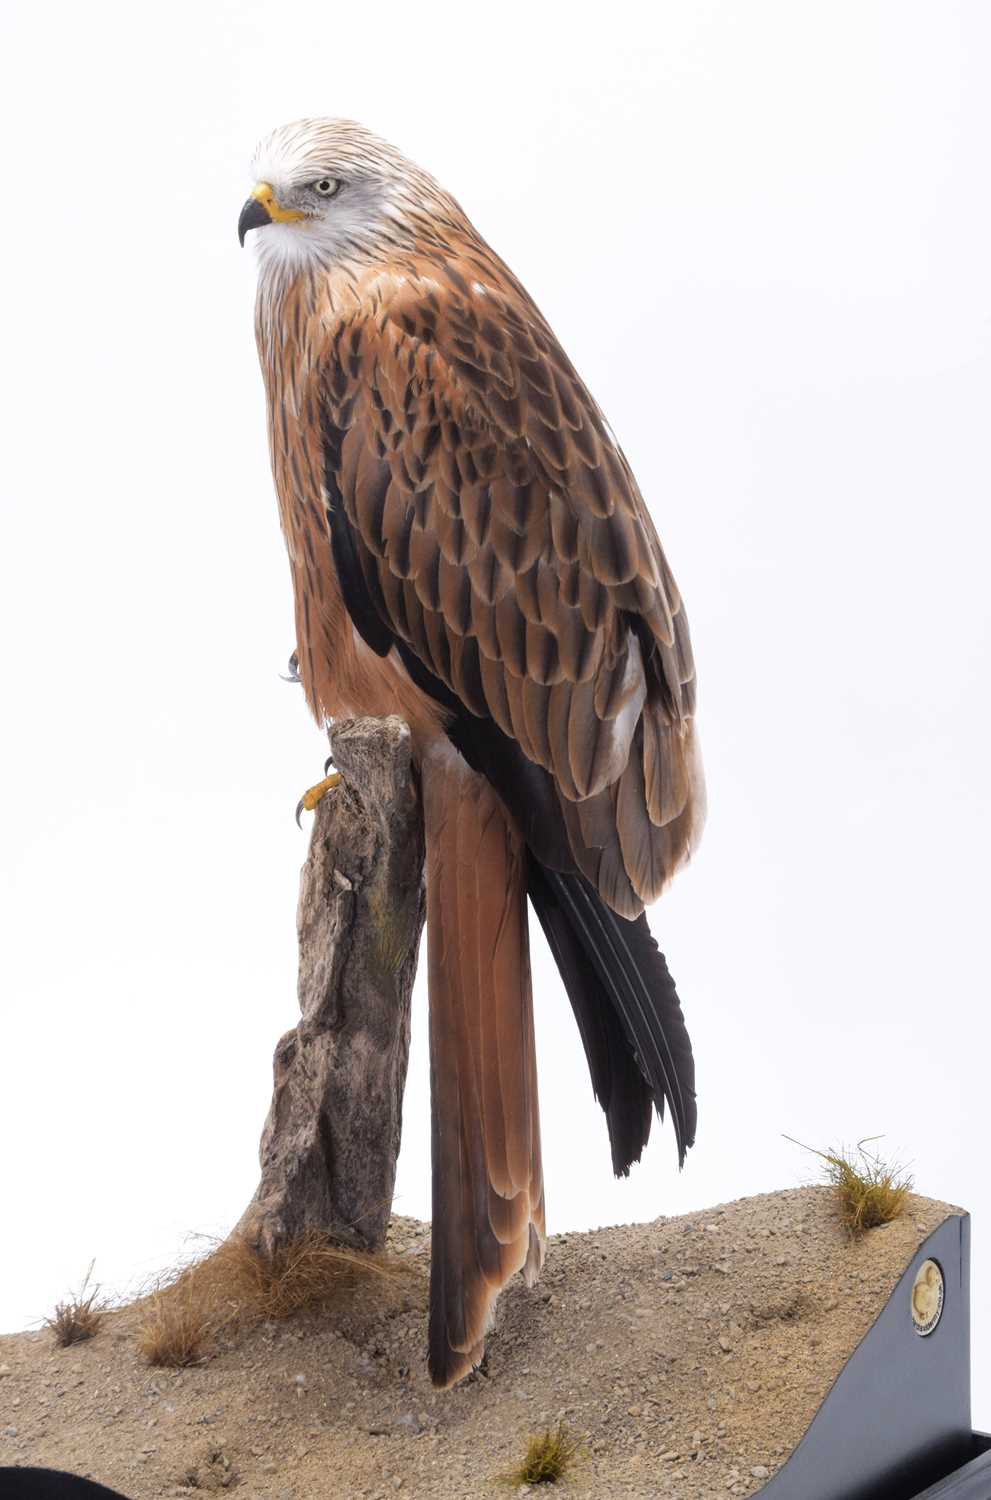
(500, 535)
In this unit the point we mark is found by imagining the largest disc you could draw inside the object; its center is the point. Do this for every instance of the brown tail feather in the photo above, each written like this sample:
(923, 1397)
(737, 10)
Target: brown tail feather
(488, 1207)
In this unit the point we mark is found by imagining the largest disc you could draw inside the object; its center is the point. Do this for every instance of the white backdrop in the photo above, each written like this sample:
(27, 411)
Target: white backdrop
(763, 234)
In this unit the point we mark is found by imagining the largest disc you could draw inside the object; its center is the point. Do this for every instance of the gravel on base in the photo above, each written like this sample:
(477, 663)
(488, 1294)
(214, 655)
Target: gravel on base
(691, 1353)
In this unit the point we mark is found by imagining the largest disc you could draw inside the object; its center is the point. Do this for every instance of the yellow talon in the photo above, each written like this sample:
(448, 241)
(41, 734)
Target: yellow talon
(310, 798)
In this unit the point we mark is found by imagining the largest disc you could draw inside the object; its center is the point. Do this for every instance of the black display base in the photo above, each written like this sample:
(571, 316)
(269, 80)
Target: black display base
(971, 1481)
(896, 1424)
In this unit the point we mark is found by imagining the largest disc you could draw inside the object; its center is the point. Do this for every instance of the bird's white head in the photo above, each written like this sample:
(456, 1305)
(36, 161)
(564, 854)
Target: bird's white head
(329, 192)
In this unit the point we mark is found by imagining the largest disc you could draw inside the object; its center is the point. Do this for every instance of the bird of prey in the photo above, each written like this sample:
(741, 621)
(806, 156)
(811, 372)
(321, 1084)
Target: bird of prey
(469, 549)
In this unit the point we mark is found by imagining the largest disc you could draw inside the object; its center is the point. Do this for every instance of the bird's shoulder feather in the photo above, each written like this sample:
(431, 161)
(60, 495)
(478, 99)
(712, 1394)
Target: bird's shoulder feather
(501, 536)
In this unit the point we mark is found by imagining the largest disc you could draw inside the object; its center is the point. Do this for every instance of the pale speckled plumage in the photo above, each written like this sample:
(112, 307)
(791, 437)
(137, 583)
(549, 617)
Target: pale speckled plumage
(423, 414)
(389, 202)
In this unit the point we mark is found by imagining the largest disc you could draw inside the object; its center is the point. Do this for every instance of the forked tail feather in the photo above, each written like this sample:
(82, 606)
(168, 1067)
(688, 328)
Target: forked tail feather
(488, 1207)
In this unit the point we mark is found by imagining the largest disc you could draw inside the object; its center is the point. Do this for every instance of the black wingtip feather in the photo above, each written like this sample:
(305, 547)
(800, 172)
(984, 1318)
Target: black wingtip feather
(633, 981)
(617, 1081)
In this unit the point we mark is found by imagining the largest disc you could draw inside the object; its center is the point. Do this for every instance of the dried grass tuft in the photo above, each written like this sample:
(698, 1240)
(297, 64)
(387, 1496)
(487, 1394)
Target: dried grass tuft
(235, 1287)
(550, 1455)
(176, 1326)
(79, 1317)
(869, 1191)
(308, 1272)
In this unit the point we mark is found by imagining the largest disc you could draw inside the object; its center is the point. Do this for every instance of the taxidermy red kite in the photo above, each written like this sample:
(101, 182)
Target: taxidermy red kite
(470, 550)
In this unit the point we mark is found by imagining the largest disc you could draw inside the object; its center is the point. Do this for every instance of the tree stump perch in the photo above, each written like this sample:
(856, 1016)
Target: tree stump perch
(330, 1143)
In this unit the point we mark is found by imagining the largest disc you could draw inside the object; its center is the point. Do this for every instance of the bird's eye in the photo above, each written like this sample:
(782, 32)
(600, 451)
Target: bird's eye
(327, 186)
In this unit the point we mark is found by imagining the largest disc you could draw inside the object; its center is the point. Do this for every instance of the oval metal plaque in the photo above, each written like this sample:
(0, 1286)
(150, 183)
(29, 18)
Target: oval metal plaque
(927, 1297)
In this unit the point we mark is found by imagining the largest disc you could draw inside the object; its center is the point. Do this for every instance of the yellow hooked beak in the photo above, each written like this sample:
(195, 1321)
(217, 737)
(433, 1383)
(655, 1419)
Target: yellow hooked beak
(263, 208)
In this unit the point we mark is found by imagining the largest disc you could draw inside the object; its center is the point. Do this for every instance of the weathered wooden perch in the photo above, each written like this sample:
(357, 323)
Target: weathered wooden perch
(329, 1146)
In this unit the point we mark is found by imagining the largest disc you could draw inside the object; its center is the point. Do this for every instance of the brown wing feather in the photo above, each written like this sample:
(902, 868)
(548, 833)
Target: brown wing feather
(488, 1211)
(501, 500)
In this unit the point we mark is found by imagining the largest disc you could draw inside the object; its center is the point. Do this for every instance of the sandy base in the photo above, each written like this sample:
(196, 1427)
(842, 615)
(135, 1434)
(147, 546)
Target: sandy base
(693, 1352)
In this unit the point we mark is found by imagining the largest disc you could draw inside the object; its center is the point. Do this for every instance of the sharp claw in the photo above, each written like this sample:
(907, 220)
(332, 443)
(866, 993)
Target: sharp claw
(293, 669)
(327, 765)
(310, 799)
